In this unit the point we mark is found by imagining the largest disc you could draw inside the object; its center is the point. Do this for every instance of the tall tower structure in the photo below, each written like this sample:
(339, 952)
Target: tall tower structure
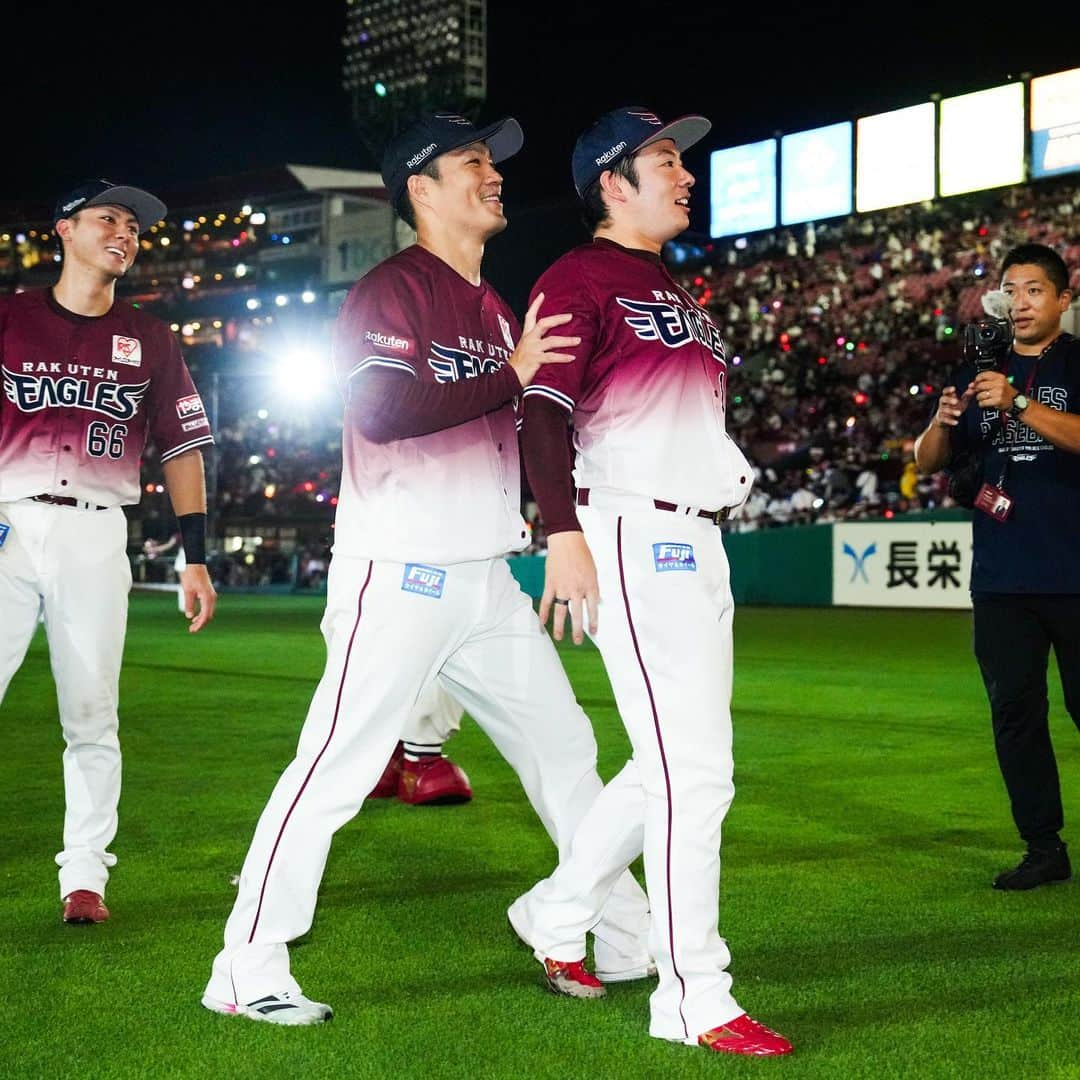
(403, 56)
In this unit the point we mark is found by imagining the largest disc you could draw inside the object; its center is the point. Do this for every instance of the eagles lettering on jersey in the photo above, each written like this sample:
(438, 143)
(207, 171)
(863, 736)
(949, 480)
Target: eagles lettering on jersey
(31, 393)
(667, 320)
(452, 365)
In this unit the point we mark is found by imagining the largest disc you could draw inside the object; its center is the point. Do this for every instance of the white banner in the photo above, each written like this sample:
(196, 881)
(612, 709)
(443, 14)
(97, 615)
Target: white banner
(892, 564)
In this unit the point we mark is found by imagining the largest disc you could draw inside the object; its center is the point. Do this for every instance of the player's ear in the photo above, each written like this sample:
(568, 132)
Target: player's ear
(419, 189)
(63, 228)
(613, 186)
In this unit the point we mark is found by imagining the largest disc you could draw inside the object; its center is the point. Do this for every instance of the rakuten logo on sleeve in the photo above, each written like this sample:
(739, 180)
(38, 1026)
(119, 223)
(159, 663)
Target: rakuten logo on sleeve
(189, 406)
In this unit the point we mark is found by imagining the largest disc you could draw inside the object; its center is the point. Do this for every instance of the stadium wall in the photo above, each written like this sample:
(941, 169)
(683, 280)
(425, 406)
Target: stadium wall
(919, 560)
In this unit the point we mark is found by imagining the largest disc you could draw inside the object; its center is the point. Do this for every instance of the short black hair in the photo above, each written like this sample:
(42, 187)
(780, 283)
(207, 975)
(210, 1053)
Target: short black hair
(404, 207)
(1039, 255)
(594, 210)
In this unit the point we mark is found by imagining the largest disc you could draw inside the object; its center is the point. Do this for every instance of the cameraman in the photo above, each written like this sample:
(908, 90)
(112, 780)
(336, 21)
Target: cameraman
(1025, 576)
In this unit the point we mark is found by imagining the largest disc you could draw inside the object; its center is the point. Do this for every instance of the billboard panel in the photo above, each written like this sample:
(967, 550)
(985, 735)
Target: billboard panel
(895, 564)
(742, 188)
(1055, 123)
(815, 173)
(981, 140)
(894, 158)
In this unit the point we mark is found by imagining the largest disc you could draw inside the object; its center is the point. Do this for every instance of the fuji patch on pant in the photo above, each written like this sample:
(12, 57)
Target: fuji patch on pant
(425, 580)
(673, 556)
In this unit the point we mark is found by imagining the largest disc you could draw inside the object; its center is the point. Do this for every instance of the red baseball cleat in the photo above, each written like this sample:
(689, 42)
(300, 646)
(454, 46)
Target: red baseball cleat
(387, 786)
(744, 1035)
(433, 781)
(84, 906)
(570, 979)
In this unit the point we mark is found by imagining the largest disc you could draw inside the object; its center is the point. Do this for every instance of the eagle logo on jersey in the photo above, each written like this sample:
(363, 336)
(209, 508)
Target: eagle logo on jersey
(452, 365)
(32, 393)
(126, 350)
(673, 325)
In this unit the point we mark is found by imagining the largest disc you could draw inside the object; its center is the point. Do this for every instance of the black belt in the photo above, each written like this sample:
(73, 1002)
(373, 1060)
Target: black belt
(66, 500)
(715, 516)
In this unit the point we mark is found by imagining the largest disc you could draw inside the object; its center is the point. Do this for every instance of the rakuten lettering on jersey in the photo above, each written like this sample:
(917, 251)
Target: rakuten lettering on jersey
(81, 397)
(451, 495)
(648, 387)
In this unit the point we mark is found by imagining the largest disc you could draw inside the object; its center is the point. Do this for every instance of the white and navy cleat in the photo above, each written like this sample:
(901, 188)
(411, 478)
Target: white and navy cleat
(287, 1008)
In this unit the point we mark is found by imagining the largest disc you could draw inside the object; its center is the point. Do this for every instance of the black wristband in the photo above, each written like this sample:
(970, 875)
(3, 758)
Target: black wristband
(193, 535)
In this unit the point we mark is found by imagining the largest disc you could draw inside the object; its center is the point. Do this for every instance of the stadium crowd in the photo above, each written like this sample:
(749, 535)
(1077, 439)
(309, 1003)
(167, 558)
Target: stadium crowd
(841, 335)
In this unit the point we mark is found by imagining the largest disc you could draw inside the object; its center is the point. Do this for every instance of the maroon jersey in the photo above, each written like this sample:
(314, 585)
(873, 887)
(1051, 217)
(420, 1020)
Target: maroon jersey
(647, 389)
(83, 394)
(453, 494)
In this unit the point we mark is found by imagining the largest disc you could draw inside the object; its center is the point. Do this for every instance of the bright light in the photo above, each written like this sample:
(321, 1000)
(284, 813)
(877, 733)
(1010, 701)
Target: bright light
(188, 282)
(241, 269)
(253, 304)
(302, 374)
(913, 390)
(254, 459)
(189, 225)
(380, 89)
(164, 241)
(281, 300)
(258, 218)
(307, 296)
(245, 209)
(262, 414)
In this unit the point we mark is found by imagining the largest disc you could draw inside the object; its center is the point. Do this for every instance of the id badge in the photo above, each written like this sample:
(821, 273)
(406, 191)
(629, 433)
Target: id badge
(994, 502)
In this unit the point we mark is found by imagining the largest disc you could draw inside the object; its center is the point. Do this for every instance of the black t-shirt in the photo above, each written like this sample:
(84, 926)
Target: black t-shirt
(1037, 549)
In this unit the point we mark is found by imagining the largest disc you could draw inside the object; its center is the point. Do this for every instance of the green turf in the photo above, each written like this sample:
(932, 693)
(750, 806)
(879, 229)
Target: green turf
(868, 821)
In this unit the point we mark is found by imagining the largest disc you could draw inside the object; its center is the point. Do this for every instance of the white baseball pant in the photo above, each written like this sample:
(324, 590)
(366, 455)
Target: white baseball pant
(665, 634)
(72, 565)
(385, 644)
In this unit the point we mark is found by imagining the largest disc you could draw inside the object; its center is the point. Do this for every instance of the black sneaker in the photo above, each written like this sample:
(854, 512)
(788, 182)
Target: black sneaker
(1036, 868)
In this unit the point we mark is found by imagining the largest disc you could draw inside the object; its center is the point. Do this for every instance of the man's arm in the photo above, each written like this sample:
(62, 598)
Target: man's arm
(933, 446)
(186, 484)
(569, 570)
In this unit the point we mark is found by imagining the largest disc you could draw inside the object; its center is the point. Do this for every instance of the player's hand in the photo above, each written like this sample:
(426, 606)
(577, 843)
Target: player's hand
(570, 576)
(534, 349)
(200, 599)
(951, 406)
(993, 390)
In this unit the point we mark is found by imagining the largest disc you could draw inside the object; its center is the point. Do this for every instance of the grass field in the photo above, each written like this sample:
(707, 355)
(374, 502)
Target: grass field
(868, 821)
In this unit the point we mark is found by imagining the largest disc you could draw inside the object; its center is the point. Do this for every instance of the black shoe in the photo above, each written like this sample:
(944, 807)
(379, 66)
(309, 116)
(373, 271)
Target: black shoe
(1036, 868)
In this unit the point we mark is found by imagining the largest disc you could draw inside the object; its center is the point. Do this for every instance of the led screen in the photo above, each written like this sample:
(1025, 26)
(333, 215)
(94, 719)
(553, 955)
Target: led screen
(894, 158)
(815, 174)
(1055, 123)
(981, 140)
(742, 188)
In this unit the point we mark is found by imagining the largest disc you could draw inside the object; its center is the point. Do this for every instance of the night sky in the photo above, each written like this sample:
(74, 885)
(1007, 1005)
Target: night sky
(162, 94)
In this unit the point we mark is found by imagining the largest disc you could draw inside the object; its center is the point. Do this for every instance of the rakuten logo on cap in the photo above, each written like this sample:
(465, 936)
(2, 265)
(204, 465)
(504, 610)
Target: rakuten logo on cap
(417, 158)
(607, 155)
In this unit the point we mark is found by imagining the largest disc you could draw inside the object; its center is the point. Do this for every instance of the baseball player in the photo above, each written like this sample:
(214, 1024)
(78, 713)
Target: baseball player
(87, 381)
(655, 474)
(430, 360)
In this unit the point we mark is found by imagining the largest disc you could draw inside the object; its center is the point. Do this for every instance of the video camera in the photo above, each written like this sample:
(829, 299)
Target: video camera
(987, 342)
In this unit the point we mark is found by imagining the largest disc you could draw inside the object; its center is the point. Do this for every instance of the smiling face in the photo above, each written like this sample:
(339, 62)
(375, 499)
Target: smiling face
(466, 196)
(660, 206)
(103, 238)
(1037, 306)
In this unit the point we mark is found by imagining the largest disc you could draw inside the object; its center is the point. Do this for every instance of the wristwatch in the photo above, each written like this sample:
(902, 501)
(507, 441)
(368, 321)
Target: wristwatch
(1020, 403)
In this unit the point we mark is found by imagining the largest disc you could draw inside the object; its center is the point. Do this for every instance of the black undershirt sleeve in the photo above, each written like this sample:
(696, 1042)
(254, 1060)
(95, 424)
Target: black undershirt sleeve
(545, 450)
(388, 405)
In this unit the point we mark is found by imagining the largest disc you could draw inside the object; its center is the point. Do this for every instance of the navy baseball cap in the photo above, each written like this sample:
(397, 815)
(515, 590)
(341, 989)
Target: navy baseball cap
(623, 131)
(438, 133)
(148, 209)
